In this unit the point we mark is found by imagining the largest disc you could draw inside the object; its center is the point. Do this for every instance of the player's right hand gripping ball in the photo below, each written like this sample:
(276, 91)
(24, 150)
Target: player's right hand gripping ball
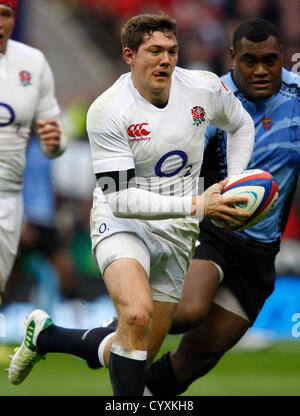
(262, 192)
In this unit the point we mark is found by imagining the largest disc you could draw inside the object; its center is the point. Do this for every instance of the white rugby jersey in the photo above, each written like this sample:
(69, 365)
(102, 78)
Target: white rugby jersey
(164, 145)
(26, 94)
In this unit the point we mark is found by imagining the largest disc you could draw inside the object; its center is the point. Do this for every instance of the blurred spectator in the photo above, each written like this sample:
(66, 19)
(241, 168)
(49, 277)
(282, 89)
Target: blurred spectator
(246, 9)
(209, 23)
(292, 231)
(290, 28)
(75, 118)
(197, 55)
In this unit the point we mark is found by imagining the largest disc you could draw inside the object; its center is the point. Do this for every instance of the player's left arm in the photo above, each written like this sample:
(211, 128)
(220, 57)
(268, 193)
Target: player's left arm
(50, 127)
(236, 121)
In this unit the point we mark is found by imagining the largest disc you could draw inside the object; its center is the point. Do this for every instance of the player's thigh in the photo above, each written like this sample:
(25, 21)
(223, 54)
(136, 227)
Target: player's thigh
(163, 314)
(200, 285)
(201, 348)
(124, 262)
(220, 330)
(127, 284)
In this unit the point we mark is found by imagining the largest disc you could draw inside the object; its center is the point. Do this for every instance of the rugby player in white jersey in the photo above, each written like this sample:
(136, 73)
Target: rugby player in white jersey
(26, 94)
(147, 136)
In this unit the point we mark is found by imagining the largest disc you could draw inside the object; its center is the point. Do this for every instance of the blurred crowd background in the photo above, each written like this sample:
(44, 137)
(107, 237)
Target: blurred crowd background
(81, 40)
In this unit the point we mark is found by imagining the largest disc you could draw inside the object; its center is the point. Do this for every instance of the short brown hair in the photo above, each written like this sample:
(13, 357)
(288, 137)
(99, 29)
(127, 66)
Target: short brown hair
(134, 30)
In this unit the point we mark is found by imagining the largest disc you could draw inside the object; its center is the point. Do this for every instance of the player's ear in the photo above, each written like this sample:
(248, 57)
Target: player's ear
(232, 55)
(128, 56)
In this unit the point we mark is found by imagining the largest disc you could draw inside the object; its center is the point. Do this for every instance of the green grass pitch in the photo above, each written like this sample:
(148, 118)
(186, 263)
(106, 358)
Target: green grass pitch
(271, 372)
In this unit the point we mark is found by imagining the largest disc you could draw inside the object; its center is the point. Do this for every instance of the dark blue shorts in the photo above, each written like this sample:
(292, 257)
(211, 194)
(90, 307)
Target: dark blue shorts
(248, 265)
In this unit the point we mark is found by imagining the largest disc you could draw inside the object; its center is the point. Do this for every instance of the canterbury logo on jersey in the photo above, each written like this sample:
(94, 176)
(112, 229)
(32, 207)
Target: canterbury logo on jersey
(139, 132)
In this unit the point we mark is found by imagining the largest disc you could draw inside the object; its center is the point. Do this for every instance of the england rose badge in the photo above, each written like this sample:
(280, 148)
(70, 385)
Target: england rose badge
(198, 114)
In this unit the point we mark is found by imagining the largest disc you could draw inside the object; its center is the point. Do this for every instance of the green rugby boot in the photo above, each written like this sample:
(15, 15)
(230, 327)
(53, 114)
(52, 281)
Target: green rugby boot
(26, 355)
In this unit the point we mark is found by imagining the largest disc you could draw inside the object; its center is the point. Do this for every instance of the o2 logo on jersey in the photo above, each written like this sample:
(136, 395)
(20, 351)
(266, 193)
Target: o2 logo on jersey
(103, 228)
(7, 115)
(25, 78)
(184, 158)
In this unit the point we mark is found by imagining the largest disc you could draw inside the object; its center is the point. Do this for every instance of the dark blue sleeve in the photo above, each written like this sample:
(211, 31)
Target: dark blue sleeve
(214, 165)
(209, 134)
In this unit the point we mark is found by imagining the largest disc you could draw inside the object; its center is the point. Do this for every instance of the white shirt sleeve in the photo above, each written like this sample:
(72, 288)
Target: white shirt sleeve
(48, 108)
(110, 149)
(240, 146)
(144, 205)
(235, 120)
(47, 105)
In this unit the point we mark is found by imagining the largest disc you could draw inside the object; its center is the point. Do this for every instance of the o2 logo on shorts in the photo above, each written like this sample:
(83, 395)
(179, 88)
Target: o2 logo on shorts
(184, 158)
(103, 228)
(7, 115)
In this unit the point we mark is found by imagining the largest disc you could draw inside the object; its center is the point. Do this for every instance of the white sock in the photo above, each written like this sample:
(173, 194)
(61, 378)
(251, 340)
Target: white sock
(102, 346)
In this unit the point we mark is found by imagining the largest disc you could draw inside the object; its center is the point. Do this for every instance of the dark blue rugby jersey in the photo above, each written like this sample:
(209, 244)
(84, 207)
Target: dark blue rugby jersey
(276, 150)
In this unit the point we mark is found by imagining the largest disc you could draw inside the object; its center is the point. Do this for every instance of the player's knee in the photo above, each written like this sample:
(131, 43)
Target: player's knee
(138, 319)
(194, 313)
(188, 316)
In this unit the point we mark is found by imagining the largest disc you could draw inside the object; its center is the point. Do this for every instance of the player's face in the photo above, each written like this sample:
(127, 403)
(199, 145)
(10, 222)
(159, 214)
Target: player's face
(257, 67)
(153, 64)
(7, 23)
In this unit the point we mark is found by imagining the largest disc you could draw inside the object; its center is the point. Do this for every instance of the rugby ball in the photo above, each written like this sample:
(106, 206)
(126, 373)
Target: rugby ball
(262, 192)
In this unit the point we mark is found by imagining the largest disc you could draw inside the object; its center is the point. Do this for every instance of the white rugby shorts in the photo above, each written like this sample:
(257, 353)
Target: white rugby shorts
(227, 300)
(11, 216)
(163, 247)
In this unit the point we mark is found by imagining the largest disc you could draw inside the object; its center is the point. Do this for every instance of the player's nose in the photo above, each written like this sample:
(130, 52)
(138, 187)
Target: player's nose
(260, 69)
(165, 58)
